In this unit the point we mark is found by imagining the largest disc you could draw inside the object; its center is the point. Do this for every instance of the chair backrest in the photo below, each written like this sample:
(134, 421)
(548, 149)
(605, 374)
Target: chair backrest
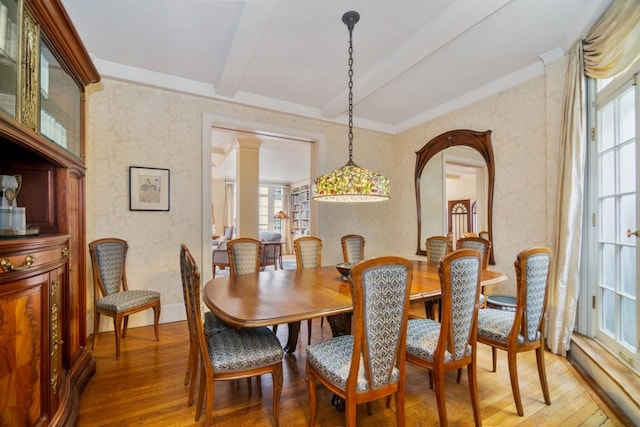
(308, 251)
(191, 287)
(484, 235)
(244, 255)
(479, 244)
(187, 266)
(352, 248)
(380, 289)
(227, 232)
(532, 282)
(108, 260)
(437, 247)
(460, 280)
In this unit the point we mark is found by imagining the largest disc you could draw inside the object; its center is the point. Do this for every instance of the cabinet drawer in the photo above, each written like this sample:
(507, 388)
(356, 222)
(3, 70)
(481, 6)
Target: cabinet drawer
(33, 258)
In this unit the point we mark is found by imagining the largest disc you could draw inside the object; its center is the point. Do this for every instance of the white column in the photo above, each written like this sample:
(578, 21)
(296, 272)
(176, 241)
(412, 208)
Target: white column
(248, 180)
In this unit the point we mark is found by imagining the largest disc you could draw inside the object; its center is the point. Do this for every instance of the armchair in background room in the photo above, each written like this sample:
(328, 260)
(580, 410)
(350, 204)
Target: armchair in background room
(271, 249)
(219, 256)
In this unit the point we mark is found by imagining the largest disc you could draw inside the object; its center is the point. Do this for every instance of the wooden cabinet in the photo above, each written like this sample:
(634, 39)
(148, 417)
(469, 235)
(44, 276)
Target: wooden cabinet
(300, 225)
(44, 362)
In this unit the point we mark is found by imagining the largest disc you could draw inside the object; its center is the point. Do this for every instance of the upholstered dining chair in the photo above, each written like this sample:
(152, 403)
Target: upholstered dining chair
(436, 247)
(352, 248)
(244, 255)
(112, 296)
(308, 250)
(523, 329)
(230, 353)
(370, 364)
(479, 244)
(451, 343)
(212, 325)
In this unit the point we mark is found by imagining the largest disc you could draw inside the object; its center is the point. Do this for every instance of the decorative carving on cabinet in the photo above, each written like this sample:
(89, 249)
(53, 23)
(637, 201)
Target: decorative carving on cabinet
(54, 337)
(30, 61)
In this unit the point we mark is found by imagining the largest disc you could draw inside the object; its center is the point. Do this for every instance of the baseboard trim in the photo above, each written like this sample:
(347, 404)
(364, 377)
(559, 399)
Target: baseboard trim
(615, 384)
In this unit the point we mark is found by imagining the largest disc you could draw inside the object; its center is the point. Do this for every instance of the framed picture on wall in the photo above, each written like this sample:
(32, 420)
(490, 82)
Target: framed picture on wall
(148, 189)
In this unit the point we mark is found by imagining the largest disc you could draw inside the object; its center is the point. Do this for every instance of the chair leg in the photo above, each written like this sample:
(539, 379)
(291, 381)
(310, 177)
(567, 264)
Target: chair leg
(194, 362)
(309, 330)
(369, 411)
(400, 414)
(313, 404)
(126, 325)
(156, 320)
(459, 376)
(96, 323)
(494, 352)
(322, 322)
(276, 376)
(473, 391)
(438, 377)
(350, 413)
(275, 329)
(201, 392)
(513, 376)
(117, 326)
(543, 374)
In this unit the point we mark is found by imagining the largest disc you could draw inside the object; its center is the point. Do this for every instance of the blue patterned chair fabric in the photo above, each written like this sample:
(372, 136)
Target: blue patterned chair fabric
(437, 247)
(112, 297)
(522, 329)
(352, 248)
(372, 359)
(229, 353)
(450, 344)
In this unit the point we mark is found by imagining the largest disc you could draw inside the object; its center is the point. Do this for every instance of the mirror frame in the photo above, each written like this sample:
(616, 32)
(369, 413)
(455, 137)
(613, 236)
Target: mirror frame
(479, 141)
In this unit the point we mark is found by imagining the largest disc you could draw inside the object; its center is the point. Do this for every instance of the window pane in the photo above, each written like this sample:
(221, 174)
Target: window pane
(607, 174)
(627, 217)
(627, 116)
(628, 319)
(628, 270)
(608, 311)
(606, 128)
(628, 168)
(608, 279)
(608, 228)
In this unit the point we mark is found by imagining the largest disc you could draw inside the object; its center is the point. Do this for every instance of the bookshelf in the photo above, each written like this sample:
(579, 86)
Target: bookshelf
(300, 225)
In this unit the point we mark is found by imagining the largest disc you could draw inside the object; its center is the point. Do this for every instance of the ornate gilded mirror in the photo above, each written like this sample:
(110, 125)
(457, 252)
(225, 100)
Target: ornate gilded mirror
(468, 149)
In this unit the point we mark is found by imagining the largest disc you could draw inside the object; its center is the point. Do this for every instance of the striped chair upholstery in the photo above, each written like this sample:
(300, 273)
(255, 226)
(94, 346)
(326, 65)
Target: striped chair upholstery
(229, 354)
(244, 255)
(436, 247)
(371, 362)
(450, 344)
(523, 329)
(112, 296)
(352, 248)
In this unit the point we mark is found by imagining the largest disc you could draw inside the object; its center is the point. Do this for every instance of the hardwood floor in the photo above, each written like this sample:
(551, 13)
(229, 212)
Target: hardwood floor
(145, 387)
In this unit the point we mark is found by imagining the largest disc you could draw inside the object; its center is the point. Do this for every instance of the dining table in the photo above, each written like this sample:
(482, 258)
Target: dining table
(274, 297)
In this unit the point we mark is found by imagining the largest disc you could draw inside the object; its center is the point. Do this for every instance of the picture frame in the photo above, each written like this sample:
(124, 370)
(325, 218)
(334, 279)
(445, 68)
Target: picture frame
(149, 189)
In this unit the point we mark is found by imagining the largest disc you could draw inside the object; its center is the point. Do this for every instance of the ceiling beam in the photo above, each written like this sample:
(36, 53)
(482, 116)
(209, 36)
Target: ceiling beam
(251, 26)
(455, 20)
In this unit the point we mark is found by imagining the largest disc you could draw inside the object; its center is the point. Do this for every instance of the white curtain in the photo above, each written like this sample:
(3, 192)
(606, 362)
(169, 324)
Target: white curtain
(286, 224)
(229, 203)
(611, 47)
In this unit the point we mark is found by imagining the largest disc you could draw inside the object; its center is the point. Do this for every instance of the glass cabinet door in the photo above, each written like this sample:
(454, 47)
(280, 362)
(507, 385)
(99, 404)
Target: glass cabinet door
(9, 32)
(60, 103)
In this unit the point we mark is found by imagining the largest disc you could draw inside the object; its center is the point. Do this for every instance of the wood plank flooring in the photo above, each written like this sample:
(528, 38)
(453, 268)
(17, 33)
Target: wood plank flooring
(145, 388)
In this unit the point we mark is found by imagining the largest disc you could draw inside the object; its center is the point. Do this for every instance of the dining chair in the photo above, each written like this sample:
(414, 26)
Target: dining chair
(370, 363)
(308, 250)
(244, 255)
(484, 247)
(451, 343)
(523, 329)
(212, 325)
(231, 353)
(352, 248)
(436, 247)
(112, 296)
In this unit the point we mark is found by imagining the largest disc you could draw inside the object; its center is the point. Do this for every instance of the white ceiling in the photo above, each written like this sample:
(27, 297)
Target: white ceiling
(413, 59)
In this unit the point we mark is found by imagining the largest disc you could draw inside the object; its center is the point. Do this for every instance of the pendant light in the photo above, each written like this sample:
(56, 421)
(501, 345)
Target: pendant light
(351, 183)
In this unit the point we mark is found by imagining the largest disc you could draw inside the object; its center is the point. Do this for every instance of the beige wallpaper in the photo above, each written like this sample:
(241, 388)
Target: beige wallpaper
(135, 125)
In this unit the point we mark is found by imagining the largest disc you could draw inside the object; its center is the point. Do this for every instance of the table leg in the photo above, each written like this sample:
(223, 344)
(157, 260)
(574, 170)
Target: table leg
(292, 339)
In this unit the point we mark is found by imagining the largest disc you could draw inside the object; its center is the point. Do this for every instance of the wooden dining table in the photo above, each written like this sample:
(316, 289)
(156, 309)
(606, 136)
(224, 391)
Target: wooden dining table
(290, 296)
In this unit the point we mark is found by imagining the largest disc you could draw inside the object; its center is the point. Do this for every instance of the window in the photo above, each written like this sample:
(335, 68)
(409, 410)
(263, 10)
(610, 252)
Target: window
(269, 203)
(612, 254)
